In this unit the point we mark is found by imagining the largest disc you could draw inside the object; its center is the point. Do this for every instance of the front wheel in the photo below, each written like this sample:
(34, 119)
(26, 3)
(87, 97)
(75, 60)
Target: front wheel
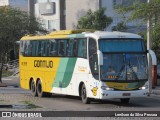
(125, 100)
(84, 97)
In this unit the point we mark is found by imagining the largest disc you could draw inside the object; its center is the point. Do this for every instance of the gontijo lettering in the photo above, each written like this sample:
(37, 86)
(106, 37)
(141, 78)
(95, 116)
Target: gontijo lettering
(43, 63)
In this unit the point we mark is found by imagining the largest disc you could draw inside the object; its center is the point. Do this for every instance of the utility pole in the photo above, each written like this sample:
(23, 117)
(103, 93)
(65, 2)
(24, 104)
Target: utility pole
(149, 45)
(31, 7)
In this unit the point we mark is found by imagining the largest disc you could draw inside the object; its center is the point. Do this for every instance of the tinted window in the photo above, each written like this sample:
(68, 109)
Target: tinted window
(120, 45)
(55, 48)
(82, 48)
(93, 58)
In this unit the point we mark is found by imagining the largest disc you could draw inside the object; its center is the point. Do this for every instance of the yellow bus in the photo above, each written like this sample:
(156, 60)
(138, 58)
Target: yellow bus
(89, 64)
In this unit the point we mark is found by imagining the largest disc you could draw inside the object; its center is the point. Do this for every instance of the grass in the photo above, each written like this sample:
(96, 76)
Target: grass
(6, 73)
(30, 105)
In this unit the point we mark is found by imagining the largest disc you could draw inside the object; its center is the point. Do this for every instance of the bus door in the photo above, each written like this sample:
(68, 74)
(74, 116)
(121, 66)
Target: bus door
(94, 70)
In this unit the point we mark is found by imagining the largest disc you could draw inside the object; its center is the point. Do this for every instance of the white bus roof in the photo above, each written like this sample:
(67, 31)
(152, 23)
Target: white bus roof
(115, 34)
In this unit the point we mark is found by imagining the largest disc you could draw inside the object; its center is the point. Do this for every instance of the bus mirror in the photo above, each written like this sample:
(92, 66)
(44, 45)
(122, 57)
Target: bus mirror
(153, 57)
(100, 57)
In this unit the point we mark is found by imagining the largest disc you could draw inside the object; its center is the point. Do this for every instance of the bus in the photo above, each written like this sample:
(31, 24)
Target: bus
(86, 63)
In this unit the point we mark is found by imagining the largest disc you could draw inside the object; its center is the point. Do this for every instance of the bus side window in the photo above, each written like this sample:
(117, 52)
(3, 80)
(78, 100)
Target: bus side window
(70, 47)
(33, 48)
(36, 47)
(53, 48)
(44, 48)
(75, 48)
(39, 48)
(82, 48)
(48, 47)
(62, 47)
(93, 58)
(22, 47)
(27, 48)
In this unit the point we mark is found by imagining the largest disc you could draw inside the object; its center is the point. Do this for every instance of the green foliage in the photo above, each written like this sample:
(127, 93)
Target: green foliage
(13, 25)
(141, 10)
(120, 27)
(94, 20)
(146, 11)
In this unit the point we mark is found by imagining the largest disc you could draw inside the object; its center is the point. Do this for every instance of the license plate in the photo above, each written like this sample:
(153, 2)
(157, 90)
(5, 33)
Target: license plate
(126, 94)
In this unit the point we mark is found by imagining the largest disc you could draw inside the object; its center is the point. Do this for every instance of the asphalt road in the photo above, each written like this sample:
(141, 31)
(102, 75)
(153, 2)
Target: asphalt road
(22, 100)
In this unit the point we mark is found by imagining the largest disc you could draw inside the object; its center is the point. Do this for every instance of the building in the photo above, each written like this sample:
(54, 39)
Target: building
(76, 9)
(21, 4)
(64, 14)
(51, 14)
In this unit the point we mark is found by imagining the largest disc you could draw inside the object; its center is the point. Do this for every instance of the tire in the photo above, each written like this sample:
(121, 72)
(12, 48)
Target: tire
(125, 100)
(33, 88)
(39, 90)
(84, 97)
(48, 94)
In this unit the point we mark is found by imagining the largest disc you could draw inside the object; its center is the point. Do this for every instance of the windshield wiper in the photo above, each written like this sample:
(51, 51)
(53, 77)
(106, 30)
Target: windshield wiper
(131, 67)
(120, 72)
(125, 67)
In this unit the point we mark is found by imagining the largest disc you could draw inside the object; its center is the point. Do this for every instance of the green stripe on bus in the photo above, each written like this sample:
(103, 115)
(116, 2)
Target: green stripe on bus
(64, 72)
(136, 85)
(69, 72)
(60, 72)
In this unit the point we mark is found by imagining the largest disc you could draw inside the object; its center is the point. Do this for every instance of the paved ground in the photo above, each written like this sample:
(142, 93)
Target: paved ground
(15, 98)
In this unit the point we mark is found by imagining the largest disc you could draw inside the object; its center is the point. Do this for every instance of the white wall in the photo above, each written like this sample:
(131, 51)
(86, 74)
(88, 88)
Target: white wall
(4, 2)
(50, 22)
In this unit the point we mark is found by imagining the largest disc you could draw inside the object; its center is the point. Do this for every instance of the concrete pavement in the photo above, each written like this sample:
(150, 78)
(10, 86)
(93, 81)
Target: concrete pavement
(14, 81)
(156, 90)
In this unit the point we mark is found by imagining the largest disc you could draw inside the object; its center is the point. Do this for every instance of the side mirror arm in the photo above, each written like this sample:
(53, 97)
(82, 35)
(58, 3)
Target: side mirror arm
(100, 57)
(153, 57)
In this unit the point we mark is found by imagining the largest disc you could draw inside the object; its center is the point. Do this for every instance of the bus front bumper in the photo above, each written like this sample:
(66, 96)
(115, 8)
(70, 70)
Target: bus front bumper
(105, 94)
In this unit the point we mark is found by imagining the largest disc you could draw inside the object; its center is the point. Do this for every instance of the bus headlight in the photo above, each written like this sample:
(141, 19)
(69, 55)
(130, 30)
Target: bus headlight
(144, 87)
(106, 88)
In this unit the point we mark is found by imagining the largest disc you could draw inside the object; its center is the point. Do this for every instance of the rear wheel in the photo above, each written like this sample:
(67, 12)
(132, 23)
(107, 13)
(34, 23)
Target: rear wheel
(125, 100)
(33, 88)
(84, 97)
(39, 90)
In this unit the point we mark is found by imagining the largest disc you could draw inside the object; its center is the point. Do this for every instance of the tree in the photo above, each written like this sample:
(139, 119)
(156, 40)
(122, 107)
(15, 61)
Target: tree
(94, 20)
(145, 11)
(120, 27)
(13, 25)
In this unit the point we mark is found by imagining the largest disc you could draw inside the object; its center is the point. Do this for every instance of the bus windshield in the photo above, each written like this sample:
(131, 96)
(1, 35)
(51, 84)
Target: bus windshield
(123, 60)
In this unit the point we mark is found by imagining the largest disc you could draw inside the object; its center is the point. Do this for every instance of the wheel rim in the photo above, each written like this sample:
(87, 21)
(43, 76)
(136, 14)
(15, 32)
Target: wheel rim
(83, 93)
(39, 88)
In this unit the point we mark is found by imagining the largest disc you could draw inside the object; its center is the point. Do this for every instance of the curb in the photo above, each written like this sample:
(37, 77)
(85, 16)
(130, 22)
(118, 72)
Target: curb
(156, 92)
(3, 85)
(6, 106)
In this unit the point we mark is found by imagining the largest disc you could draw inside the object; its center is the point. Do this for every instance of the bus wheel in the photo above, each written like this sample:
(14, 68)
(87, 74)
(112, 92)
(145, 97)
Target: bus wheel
(39, 90)
(125, 100)
(84, 97)
(33, 88)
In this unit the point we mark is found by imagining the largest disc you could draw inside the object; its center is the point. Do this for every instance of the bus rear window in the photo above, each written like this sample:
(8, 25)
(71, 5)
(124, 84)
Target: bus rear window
(120, 45)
